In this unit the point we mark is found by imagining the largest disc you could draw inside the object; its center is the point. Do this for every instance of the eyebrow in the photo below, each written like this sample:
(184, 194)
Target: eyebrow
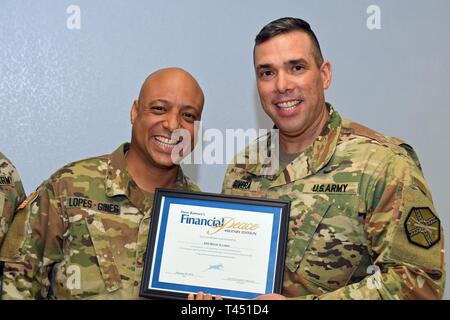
(191, 109)
(297, 61)
(263, 66)
(157, 100)
(289, 62)
(187, 106)
(169, 103)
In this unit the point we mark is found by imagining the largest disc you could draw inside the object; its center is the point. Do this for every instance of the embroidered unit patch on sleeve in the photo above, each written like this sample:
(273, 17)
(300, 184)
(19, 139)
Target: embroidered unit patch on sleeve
(422, 227)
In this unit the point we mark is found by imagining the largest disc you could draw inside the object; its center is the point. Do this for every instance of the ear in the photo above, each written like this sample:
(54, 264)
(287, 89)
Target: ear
(326, 73)
(134, 111)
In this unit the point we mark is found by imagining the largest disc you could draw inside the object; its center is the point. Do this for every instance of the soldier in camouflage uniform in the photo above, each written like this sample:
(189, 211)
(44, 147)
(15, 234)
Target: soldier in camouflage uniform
(11, 194)
(83, 233)
(362, 222)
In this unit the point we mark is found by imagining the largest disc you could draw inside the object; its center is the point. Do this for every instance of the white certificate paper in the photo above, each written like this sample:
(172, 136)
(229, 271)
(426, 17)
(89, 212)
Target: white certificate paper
(214, 247)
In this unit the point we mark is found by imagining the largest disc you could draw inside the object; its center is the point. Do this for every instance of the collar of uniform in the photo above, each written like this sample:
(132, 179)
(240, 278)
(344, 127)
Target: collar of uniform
(182, 182)
(314, 158)
(117, 179)
(119, 183)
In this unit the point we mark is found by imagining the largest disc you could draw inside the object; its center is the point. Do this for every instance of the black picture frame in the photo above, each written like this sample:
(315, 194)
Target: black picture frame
(165, 200)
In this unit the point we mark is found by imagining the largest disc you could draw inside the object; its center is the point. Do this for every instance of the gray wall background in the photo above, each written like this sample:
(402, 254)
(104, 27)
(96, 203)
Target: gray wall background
(66, 94)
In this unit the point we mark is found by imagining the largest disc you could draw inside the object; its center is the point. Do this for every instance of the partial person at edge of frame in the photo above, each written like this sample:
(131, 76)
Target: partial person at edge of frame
(12, 194)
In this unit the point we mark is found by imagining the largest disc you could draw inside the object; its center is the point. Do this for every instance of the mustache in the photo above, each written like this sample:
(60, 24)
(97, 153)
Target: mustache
(288, 96)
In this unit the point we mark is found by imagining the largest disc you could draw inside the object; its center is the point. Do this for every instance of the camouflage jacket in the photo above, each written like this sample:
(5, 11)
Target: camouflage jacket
(82, 234)
(362, 222)
(11, 194)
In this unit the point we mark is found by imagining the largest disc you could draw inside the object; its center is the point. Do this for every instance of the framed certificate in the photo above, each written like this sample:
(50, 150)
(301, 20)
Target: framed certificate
(217, 244)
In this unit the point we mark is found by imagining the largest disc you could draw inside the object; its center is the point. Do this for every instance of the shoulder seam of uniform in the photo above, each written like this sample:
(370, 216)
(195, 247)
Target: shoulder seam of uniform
(78, 162)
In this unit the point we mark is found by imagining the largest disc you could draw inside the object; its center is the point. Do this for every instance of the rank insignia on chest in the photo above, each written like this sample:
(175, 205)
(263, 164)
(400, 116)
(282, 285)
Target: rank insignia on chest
(422, 227)
(241, 184)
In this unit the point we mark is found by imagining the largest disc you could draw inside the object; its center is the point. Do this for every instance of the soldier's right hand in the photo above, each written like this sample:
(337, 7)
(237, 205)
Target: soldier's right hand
(204, 296)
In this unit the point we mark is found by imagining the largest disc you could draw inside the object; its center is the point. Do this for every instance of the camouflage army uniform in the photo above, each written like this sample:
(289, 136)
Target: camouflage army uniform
(82, 235)
(11, 194)
(359, 203)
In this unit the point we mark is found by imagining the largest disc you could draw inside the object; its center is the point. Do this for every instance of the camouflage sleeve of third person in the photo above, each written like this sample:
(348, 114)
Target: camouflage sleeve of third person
(32, 246)
(11, 194)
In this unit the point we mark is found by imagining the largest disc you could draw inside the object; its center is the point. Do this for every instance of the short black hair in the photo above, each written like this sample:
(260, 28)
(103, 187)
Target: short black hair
(285, 25)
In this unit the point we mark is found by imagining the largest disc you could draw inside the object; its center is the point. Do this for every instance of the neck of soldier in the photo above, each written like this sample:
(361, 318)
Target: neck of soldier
(299, 142)
(147, 175)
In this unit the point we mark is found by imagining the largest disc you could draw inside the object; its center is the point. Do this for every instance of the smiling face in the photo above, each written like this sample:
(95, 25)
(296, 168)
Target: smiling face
(170, 99)
(290, 83)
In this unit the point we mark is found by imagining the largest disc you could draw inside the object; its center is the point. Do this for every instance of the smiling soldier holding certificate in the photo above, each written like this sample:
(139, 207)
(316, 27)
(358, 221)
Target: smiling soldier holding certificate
(83, 233)
(362, 224)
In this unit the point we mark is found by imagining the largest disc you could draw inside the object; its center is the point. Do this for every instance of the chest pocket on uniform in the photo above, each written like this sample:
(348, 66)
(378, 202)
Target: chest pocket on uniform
(90, 255)
(103, 252)
(303, 223)
(328, 240)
